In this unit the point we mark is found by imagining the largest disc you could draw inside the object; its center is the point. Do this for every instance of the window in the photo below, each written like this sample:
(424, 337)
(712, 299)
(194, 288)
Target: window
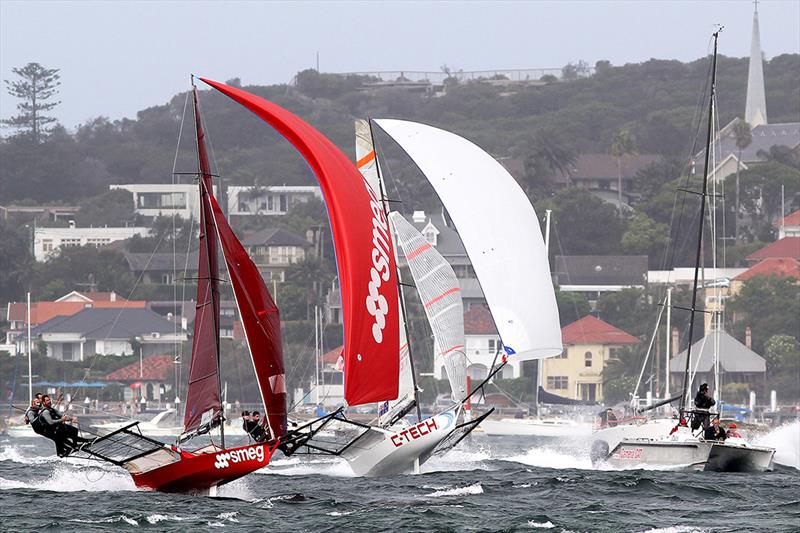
(66, 351)
(270, 203)
(495, 345)
(97, 242)
(47, 245)
(70, 243)
(430, 236)
(557, 382)
(166, 279)
(242, 207)
(161, 200)
(587, 359)
(284, 203)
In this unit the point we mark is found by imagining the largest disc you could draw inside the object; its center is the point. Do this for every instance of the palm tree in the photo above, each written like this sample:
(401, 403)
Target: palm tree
(545, 154)
(621, 146)
(743, 136)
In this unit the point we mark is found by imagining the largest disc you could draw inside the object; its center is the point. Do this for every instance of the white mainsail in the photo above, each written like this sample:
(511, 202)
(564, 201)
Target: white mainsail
(440, 294)
(500, 232)
(367, 164)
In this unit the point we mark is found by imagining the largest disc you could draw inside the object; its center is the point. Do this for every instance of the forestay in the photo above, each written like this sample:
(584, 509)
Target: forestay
(440, 294)
(364, 254)
(500, 232)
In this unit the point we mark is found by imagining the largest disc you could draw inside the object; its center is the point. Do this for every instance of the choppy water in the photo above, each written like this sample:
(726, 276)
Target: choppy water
(494, 484)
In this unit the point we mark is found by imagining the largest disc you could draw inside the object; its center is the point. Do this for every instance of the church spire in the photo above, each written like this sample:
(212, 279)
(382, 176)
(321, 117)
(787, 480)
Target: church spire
(756, 107)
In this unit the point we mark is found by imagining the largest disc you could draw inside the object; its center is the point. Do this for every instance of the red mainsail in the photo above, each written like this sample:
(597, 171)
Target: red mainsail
(364, 254)
(203, 405)
(261, 321)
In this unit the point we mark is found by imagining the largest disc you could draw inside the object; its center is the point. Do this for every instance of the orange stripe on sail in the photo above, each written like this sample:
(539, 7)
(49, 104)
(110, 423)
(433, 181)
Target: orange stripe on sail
(415, 253)
(443, 295)
(366, 159)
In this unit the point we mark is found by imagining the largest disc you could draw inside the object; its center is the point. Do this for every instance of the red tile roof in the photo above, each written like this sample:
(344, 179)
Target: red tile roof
(478, 321)
(789, 220)
(592, 330)
(41, 312)
(782, 267)
(154, 368)
(786, 247)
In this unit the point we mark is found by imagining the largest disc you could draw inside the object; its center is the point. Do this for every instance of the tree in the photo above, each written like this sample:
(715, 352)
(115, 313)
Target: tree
(38, 84)
(762, 187)
(583, 223)
(620, 374)
(572, 306)
(81, 267)
(645, 236)
(621, 146)
(626, 310)
(544, 154)
(770, 305)
(782, 353)
(743, 136)
(16, 261)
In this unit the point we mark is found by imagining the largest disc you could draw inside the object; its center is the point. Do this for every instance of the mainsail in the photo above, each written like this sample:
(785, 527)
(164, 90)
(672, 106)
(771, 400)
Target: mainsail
(203, 402)
(441, 297)
(261, 321)
(506, 250)
(364, 254)
(367, 163)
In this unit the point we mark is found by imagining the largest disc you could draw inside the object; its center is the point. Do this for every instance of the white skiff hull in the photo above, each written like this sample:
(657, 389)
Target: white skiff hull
(536, 428)
(386, 452)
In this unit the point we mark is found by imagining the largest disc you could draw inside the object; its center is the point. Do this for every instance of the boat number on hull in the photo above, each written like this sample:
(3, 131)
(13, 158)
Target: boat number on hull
(225, 459)
(635, 453)
(414, 432)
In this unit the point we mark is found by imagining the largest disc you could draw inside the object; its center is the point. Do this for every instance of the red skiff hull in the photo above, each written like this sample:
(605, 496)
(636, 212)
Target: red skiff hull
(198, 472)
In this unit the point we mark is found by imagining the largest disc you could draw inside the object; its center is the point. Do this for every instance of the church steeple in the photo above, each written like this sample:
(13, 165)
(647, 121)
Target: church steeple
(755, 112)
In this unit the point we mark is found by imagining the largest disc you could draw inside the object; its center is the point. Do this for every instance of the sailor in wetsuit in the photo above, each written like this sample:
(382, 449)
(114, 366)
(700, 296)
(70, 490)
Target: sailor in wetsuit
(32, 415)
(58, 429)
(256, 428)
(714, 431)
(607, 418)
(702, 400)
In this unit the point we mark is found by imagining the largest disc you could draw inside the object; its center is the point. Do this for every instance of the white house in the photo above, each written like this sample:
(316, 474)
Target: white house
(164, 199)
(269, 200)
(47, 241)
(483, 347)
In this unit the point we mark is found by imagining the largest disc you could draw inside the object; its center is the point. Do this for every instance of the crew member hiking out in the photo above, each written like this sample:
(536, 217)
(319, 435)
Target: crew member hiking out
(702, 400)
(57, 428)
(32, 415)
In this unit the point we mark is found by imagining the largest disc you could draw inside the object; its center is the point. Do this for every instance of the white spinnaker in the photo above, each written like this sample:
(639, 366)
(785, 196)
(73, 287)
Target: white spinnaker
(440, 294)
(499, 229)
(367, 164)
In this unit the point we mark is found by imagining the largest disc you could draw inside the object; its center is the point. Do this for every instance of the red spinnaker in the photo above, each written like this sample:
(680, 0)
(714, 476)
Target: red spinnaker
(203, 403)
(261, 321)
(364, 254)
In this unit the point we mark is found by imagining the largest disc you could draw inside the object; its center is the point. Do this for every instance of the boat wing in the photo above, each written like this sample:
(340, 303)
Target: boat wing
(122, 446)
(506, 249)
(364, 254)
(329, 435)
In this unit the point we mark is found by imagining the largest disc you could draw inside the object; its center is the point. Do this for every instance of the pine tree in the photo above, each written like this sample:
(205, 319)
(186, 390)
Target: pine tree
(36, 86)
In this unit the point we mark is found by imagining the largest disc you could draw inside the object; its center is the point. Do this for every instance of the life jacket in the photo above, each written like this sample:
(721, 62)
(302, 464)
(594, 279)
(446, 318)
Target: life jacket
(36, 423)
(49, 430)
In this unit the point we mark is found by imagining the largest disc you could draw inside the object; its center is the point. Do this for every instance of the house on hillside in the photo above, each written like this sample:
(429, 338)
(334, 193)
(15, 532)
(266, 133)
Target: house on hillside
(589, 344)
(483, 347)
(781, 267)
(163, 269)
(67, 305)
(599, 173)
(123, 331)
(738, 362)
(268, 200)
(149, 379)
(593, 275)
(164, 199)
(48, 241)
(273, 250)
(789, 226)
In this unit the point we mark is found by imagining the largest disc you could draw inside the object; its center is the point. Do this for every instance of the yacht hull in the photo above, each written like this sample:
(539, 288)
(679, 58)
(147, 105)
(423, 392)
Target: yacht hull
(536, 428)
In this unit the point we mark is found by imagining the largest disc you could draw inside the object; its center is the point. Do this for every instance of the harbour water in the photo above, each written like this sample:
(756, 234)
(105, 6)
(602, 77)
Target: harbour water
(491, 484)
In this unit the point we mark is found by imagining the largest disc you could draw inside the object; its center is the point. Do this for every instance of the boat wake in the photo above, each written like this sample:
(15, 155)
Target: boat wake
(786, 441)
(475, 488)
(545, 457)
(300, 466)
(65, 478)
(459, 460)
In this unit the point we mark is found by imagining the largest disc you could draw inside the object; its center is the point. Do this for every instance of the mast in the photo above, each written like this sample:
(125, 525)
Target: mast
(30, 371)
(204, 406)
(540, 362)
(701, 224)
(669, 338)
(385, 203)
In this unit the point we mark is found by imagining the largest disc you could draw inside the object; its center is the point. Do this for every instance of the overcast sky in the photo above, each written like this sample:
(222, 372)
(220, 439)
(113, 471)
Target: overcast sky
(117, 58)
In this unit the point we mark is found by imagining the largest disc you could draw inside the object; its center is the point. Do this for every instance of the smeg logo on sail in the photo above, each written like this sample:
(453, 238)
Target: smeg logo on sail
(377, 305)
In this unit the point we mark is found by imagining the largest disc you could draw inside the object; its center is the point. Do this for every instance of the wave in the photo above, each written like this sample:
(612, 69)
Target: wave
(541, 525)
(301, 467)
(475, 488)
(67, 479)
(106, 520)
(675, 529)
(786, 441)
(550, 458)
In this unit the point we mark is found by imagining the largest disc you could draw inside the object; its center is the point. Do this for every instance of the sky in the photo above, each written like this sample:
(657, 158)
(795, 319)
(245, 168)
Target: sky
(117, 58)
